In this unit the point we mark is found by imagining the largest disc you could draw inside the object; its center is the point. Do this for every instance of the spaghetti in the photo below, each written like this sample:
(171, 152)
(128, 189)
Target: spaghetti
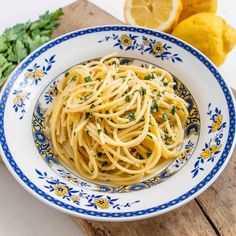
(115, 123)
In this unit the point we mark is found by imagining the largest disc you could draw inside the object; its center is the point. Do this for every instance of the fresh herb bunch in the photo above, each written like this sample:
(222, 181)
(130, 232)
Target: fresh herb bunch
(20, 40)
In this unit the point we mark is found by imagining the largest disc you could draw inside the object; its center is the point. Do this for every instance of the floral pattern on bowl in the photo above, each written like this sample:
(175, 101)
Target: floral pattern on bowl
(144, 45)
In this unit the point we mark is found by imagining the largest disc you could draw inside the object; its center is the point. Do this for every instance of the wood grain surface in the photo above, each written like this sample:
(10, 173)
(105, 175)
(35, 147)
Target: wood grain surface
(212, 213)
(82, 14)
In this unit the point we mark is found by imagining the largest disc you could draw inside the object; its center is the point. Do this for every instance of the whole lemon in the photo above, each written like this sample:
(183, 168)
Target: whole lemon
(191, 7)
(209, 33)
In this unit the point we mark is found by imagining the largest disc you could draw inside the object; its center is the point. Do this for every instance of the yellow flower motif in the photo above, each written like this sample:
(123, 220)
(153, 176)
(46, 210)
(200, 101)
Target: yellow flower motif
(217, 123)
(102, 203)
(215, 148)
(75, 199)
(126, 40)
(206, 153)
(38, 74)
(215, 127)
(29, 74)
(218, 119)
(146, 42)
(158, 48)
(19, 97)
(60, 190)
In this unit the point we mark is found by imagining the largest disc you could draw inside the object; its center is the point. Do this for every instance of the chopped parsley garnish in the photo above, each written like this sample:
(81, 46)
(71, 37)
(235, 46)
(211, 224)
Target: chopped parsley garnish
(166, 136)
(127, 98)
(131, 116)
(87, 79)
(74, 78)
(149, 77)
(164, 82)
(173, 110)
(106, 112)
(143, 91)
(99, 131)
(168, 139)
(164, 117)
(154, 107)
(66, 74)
(92, 106)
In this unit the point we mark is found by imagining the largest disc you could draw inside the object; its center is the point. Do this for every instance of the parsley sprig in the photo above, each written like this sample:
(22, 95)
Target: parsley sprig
(20, 40)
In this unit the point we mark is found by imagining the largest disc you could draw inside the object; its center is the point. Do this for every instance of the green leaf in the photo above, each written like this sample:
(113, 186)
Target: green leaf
(3, 60)
(87, 79)
(18, 41)
(143, 91)
(149, 77)
(20, 50)
(35, 33)
(12, 34)
(127, 98)
(173, 110)
(3, 44)
(5, 66)
(131, 116)
(11, 55)
(8, 71)
(26, 39)
(37, 42)
(56, 14)
(46, 33)
(164, 117)
(154, 107)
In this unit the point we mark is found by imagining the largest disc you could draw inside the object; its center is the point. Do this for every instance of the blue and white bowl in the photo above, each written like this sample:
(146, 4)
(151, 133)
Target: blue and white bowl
(209, 133)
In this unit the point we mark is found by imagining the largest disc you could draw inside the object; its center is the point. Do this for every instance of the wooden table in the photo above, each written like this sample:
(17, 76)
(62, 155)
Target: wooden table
(212, 213)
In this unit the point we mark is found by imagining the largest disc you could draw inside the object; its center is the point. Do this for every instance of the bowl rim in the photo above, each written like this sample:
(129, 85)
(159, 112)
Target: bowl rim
(111, 216)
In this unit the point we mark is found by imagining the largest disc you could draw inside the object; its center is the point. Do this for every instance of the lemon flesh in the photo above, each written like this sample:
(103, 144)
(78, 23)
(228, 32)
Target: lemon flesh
(156, 14)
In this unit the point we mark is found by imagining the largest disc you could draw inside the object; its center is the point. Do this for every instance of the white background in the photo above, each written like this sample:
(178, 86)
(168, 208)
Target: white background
(20, 213)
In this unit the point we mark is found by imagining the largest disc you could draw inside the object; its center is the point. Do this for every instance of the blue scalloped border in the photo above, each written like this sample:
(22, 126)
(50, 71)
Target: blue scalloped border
(181, 198)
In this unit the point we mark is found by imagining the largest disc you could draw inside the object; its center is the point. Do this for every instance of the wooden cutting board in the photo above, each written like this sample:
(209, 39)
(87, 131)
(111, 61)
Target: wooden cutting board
(212, 213)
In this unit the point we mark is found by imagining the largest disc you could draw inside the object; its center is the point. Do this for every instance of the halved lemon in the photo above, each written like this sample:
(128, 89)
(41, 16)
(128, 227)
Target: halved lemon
(156, 14)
